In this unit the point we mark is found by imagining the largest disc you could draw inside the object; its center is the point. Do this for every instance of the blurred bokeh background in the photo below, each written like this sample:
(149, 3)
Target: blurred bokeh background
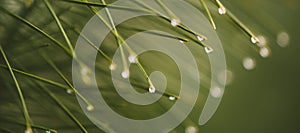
(261, 100)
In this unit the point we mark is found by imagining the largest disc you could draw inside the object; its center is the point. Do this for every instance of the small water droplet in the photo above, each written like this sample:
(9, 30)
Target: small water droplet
(216, 92)
(191, 129)
(181, 41)
(69, 91)
(254, 40)
(90, 107)
(208, 50)
(28, 130)
(172, 98)
(151, 89)
(175, 22)
(249, 63)
(262, 41)
(132, 59)
(201, 38)
(264, 52)
(112, 66)
(48, 131)
(283, 39)
(125, 74)
(222, 10)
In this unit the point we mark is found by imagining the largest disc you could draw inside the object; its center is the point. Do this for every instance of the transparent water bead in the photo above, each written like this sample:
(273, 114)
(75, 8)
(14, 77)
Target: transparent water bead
(201, 38)
(222, 10)
(249, 63)
(112, 66)
(175, 22)
(208, 50)
(191, 129)
(172, 98)
(132, 59)
(283, 39)
(28, 130)
(254, 40)
(90, 108)
(151, 89)
(125, 74)
(264, 52)
(262, 41)
(48, 131)
(181, 41)
(69, 91)
(216, 92)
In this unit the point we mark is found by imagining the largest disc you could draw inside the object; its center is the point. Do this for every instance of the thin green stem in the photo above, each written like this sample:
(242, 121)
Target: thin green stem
(26, 114)
(37, 29)
(60, 27)
(69, 113)
(37, 78)
(65, 79)
(208, 14)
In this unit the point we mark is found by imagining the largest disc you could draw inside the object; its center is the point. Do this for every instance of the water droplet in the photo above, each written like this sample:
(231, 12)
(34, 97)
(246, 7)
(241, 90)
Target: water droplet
(201, 38)
(69, 91)
(249, 63)
(191, 129)
(172, 98)
(125, 74)
(283, 39)
(112, 66)
(28, 130)
(222, 10)
(254, 40)
(208, 50)
(216, 92)
(181, 41)
(90, 107)
(48, 131)
(151, 89)
(262, 41)
(175, 22)
(264, 52)
(84, 70)
(132, 59)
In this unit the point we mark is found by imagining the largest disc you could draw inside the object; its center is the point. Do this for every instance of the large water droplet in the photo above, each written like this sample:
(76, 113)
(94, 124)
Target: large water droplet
(222, 10)
(249, 63)
(125, 74)
(132, 59)
(175, 22)
(283, 39)
(208, 50)
(151, 89)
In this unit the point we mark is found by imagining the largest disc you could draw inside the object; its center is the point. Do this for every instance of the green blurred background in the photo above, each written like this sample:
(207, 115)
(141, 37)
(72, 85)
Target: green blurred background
(265, 99)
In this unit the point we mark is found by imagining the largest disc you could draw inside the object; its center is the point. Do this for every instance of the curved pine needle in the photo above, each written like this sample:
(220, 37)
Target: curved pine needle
(25, 111)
